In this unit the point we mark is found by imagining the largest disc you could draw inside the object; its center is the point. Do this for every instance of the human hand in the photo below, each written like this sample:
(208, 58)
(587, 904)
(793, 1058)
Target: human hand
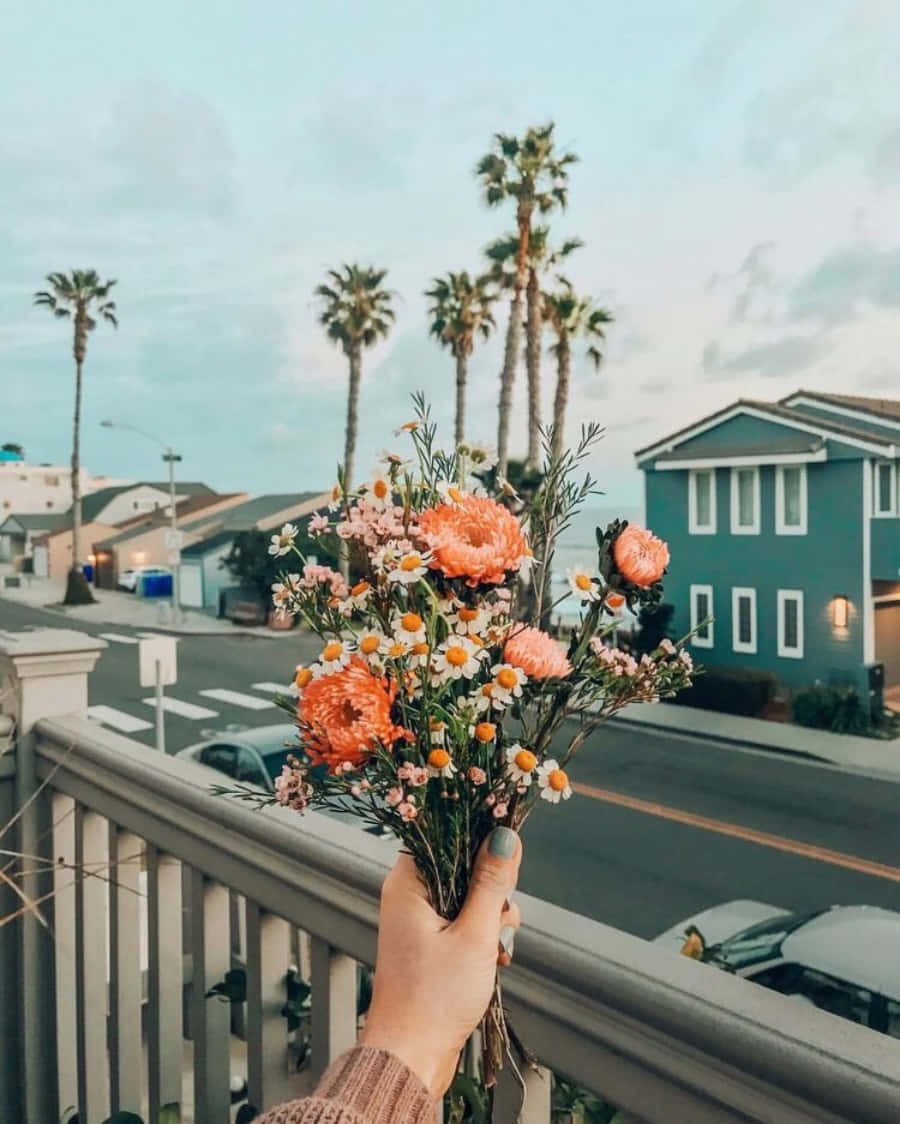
(434, 979)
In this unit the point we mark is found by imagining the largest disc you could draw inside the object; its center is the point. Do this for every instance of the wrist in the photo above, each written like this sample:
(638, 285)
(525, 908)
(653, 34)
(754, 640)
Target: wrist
(432, 1065)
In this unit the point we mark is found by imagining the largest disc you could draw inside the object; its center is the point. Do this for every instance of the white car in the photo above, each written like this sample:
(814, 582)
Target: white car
(843, 959)
(129, 579)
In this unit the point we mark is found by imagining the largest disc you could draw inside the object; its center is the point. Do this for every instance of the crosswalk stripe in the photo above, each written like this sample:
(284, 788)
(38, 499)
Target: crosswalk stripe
(272, 688)
(118, 719)
(183, 709)
(235, 698)
(117, 638)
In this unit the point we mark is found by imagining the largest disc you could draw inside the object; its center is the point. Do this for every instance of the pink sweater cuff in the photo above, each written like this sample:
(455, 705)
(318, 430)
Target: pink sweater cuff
(364, 1086)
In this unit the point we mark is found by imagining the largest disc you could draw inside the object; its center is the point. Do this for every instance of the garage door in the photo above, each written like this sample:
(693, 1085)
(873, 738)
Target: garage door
(887, 641)
(191, 586)
(41, 562)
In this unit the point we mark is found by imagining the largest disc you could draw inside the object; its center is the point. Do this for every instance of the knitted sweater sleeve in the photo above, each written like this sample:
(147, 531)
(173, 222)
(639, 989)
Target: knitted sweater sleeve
(364, 1086)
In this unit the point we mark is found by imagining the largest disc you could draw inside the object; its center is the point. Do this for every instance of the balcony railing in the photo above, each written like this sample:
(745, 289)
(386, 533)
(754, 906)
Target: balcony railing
(137, 865)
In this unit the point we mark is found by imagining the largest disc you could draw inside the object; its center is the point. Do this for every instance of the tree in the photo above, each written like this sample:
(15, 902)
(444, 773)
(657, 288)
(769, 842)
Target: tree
(530, 171)
(460, 311)
(253, 567)
(571, 317)
(654, 626)
(81, 297)
(356, 314)
(13, 447)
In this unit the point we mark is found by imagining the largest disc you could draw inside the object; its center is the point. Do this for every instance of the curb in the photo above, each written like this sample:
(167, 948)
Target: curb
(724, 739)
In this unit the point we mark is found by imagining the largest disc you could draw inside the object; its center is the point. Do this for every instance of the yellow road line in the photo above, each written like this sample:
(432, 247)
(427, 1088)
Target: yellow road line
(736, 831)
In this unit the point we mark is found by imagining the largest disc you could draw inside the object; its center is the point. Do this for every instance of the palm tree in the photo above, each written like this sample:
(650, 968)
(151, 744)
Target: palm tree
(356, 314)
(542, 257)
(571, 317)
(81, 297)
(460, 311)
(530, 171)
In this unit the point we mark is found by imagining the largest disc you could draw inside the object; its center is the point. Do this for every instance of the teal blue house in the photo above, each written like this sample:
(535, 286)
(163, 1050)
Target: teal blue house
(783, 521)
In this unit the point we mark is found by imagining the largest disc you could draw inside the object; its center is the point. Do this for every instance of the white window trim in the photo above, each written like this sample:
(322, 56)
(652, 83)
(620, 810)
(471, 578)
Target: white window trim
(700, 641)
(782, 528)
(876, 490)
(695, 528)
(736, 528)
(737, 645)
(785, 595)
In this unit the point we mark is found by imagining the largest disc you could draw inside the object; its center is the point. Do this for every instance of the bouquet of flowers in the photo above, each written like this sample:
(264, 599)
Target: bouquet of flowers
(439, 707)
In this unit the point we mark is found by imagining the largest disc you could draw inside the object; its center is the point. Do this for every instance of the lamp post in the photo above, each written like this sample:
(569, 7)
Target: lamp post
(170, 457)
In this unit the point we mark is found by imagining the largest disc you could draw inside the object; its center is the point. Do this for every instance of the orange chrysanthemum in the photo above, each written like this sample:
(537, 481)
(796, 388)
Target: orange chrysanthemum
(640, 556)
(344, 716)
(476, 539)
(536, 653)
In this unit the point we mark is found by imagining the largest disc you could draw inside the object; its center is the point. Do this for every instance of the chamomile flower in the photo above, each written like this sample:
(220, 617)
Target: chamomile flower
(449, 491)
(527, 562)
(456, 658)
(409, 568)
(440, 763)
(283, 593)
(371, 644)
(482, 457)
(520, 764)
(508, 682)
(466, 621)
(283, 541)
(359, 595)
(408, 627)
(334, 656)
(418, 655)
(379, 492)
(396, 649)
(554, 783)
(407, 427)
(335, 498)
(583, 585)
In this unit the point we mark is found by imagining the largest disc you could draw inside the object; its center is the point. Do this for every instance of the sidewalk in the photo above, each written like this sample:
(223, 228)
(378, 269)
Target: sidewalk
(780, 737)
(115, 607)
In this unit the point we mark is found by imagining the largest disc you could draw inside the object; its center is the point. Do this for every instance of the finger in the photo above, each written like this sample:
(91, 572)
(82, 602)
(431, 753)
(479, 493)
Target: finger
(510, 920)
(496, 870)
(404, 893)
(511, 917)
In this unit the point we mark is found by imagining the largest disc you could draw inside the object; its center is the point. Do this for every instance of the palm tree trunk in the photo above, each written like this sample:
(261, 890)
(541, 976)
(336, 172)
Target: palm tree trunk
(533, 368)
(355, 357)
(77, 591)
(462, 363)
(561, 399)
(507, 378)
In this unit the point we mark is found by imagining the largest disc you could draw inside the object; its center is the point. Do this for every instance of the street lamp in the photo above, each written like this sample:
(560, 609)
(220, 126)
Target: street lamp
(170, 457)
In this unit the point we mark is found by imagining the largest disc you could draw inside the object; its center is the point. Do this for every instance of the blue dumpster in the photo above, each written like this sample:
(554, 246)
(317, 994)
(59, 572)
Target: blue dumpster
(88, 570)
(156, 585)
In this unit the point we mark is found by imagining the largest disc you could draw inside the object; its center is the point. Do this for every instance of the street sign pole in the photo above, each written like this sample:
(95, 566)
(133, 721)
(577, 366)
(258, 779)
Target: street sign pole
(171, 457)
(158, 668)
(160, 713)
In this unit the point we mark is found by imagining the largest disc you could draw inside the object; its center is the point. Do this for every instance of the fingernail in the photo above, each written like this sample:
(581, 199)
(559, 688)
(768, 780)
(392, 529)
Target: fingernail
(502, 843)
(507, 939)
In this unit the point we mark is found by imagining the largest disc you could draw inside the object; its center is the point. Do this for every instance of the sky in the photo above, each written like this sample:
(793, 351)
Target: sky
(737, 190)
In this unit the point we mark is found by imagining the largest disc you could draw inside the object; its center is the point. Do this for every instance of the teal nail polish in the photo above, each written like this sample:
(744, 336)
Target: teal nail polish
(502, 843)
(507, 939)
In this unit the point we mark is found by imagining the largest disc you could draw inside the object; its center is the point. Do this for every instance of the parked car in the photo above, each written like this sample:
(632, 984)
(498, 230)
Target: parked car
(842, 959)
(130, 579)
(249, 756)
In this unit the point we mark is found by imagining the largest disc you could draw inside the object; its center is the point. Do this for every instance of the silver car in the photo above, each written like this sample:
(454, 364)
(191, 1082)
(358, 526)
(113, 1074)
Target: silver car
(252, 757)
(843, 959)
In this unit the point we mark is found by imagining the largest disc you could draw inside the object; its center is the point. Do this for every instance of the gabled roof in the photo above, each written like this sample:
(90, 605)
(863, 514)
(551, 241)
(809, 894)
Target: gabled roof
(42, 521)
(257, 513)
(94, 502)
(885, 408)
(160, 518)
(839, 428)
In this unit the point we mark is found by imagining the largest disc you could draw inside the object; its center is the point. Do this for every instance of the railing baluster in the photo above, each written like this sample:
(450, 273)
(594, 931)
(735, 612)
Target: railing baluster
(165, 983)
(64, 874)
(125, 1061)
(267, 946)
(210, 1018)
(333, 979)
(91, 916)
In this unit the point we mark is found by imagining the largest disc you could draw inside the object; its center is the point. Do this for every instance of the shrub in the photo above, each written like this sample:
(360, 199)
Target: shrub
(655, 623)
(839, 709)
(731, 690)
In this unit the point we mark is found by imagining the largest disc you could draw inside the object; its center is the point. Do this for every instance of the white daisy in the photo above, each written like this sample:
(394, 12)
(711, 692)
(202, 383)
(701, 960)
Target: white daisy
(553, 781)
(408, 627)
(371, 645)
(527, 562)
(407, 427)
(481, 456)
(440, 763)
(359, 595)
(437, 731)
(466, 621)
(450, 492)
(520, 764)
(410, 568)
(336, 498)
(379, 492)
(283, 593)
(508, 682)
(334, 656)
(456, 658)
(283, 541)
(583, 585)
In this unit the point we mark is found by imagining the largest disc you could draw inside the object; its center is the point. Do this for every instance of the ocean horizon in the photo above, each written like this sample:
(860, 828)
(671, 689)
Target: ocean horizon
(577, 546)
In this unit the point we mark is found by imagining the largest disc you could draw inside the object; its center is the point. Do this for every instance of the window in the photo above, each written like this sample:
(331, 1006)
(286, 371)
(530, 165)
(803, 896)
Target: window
(790, 499)
(702, 502)
(701, 608)
(885, 488)
(743, 620)
(790, 623)
(828, 993)
(235, 761)
(745, 501)
(893, 1019)
(51, 481)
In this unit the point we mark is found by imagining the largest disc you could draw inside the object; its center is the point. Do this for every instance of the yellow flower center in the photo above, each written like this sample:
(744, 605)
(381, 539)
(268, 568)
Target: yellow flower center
(396, 651)
(420, 649)
(456, 657)
(359, 589)
(411, 562)
(583, 582)
(526, 760)
(455, 494)
(557, 780)
(368, 645)
(439, 759)
(303, 677)
(485, 731)
(468, 615)
(487, 690)
(614, 600)
(507, 678)
(411, 622)
(332, 651)
(380, 489)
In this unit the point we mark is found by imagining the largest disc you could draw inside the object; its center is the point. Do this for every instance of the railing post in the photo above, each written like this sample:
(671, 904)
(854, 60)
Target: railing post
(43, 674)
(333, 980)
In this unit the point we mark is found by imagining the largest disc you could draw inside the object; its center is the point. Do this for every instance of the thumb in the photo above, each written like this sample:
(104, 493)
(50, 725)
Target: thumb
(493, 880)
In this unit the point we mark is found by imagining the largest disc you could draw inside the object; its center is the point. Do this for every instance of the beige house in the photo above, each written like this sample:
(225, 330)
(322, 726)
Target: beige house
(52, 552)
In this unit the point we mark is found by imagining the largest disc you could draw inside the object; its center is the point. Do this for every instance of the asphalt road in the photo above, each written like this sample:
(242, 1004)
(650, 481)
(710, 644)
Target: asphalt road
(663, 826)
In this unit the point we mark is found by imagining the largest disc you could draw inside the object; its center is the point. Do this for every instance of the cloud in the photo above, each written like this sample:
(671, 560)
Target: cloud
(755, 277)
(785, 356)
(655, 386)
(846, 280)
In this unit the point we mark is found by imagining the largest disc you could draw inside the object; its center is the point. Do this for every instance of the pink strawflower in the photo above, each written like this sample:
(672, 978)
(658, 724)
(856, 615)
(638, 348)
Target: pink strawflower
(640, 556)
(536, 653)
(476, 775)
(394, 796)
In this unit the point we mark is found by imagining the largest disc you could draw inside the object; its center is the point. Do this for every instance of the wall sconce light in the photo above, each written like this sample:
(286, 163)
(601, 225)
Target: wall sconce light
(840, 610)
